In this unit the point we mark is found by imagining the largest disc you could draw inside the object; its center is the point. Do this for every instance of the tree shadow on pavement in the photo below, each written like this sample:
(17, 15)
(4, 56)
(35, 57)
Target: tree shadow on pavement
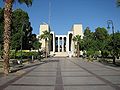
(110, 63)
(32, 65)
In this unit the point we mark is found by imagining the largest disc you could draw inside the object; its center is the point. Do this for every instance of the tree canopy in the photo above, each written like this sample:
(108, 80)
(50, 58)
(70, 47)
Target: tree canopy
(101, 42)
(21, 29)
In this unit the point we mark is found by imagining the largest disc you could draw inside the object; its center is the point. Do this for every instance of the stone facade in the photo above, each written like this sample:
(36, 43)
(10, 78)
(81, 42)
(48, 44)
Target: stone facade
(62, 43)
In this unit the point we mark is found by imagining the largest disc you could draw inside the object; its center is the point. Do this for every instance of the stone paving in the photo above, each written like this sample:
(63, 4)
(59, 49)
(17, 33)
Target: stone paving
(64, 74)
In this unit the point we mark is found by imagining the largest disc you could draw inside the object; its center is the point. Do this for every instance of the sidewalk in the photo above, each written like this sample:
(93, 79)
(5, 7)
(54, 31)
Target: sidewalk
(64, 74)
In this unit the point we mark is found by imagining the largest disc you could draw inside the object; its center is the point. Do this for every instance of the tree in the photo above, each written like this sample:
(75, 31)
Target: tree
(37, 46)
(47, 37)
(89, 43)
(35, 42)
(116, 49)
(77, 39)
(21, 30)
(20, 34)
(117, 44)
(7, 30)
(1, 30)
(102, 36)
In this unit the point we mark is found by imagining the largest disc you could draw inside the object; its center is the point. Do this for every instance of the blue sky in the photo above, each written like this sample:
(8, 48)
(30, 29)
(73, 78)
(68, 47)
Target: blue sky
(64, 13)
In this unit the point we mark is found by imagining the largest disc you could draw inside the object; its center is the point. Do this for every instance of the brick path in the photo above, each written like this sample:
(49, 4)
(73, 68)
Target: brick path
(64, 74)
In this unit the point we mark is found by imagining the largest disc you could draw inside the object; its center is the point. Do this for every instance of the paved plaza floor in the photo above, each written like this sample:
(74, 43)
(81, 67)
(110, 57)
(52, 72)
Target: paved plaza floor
(64, 74)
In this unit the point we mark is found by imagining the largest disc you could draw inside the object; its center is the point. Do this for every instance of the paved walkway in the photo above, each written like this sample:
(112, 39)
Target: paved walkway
(64, 74)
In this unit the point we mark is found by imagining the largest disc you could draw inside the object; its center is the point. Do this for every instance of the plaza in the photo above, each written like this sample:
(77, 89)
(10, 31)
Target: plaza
(64, 74)
(34, 57)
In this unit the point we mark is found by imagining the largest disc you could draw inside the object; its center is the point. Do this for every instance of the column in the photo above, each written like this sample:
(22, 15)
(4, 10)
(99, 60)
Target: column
(58, 44)
(53, 42)
(72, 46)
(62, 44)
(67, 43)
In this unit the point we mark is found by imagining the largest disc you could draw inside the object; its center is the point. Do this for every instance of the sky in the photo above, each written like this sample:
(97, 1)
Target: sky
(65, 13)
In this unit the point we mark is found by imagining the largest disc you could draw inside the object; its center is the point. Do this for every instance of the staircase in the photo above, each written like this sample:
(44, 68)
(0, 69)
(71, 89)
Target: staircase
(60, 54)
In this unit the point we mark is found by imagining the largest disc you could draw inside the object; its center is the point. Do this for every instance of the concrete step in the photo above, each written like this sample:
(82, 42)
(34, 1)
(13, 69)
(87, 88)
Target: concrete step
(60, 54)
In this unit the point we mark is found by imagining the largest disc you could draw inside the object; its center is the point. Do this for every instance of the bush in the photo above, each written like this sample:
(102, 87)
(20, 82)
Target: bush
(90, 53)
(26, 55)
(12, 54)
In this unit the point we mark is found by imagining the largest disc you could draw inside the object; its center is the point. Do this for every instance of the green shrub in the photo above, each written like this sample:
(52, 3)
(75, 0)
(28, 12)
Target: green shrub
(25, 55)
(12, 54)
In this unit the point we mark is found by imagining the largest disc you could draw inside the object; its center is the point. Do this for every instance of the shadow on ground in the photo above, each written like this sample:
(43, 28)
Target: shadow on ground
(30, 65)
(110, 63)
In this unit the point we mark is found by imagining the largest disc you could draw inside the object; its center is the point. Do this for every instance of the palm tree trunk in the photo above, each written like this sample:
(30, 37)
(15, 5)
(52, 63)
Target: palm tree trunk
(7, 31)
(78, 50)
(45, 48)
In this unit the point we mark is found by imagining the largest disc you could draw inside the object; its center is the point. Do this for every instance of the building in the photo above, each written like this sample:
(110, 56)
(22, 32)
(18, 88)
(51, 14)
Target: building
(61, 45)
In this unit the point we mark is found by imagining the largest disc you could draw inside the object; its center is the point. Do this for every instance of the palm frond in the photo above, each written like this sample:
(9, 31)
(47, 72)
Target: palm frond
(46, 35)
(77, 38)
(7, 0)
(118, 2)
(27, 2)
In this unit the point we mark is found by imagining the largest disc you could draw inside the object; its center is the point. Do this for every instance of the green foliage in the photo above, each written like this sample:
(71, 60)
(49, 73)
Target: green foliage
(37, 45)
(87, 32)
(101, 41)
(77, 39)
(105, 53)
(89, 44)
(7, 29)
(87, 39)
(25, 55)
(19, 17)
(101, 34)
(90, 52)
(93, 42)
(27, 2)
(21, 29)
(46, 36)
(115, 43)
(12, 54)
(118, 2)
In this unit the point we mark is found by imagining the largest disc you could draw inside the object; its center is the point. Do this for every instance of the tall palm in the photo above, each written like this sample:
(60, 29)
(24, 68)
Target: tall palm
(77, 39)
(47, 37)
(7, 30)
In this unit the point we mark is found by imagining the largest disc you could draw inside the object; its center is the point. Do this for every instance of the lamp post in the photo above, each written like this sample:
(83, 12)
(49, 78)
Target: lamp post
(111, 22)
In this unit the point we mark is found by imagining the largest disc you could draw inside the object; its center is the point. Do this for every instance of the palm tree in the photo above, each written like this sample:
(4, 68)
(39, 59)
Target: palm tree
(118, 2)
(7, 30)
(47, 37)
(77, 39)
